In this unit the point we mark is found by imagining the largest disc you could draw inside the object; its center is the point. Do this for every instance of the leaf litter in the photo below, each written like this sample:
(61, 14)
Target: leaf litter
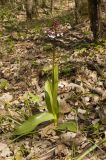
(82, 92)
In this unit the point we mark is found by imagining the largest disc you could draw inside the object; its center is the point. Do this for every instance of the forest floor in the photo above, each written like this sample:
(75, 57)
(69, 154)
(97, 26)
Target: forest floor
(25, 65)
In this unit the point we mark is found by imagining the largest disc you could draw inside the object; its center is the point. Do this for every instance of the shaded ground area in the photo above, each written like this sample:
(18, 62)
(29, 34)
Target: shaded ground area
(25, 64)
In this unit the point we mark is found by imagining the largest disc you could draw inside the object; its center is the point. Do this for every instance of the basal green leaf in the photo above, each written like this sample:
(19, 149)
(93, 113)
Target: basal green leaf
(30, 124)
(51, 89)
(48, 103)
(48, 96)
(69, 126)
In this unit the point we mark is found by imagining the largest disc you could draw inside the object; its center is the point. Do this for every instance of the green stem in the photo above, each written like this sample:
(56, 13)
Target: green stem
(53, 85)
(55, 120)
(53, 65)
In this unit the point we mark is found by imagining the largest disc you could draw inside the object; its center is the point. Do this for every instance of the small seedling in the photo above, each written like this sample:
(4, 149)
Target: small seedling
(4, 84)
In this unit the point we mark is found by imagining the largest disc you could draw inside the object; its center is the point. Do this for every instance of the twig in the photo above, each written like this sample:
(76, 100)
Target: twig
(94, 90)
(13, 119)
(45, 156)
(91, 149)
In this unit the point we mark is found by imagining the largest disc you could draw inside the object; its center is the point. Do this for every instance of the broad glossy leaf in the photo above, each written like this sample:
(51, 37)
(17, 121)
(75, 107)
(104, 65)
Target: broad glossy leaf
(70, 126)
(48, 103)
(30, 124)
(48, 96)
(51, 89)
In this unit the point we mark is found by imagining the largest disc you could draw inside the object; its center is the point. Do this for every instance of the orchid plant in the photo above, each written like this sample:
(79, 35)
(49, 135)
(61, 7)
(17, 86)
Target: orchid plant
(52, 104)
(51, 88)
(51, 93)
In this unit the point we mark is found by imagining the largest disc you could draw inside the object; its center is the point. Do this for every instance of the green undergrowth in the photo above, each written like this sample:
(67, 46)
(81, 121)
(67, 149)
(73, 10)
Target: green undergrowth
(66, 70)
(9, 20)
(4, 84)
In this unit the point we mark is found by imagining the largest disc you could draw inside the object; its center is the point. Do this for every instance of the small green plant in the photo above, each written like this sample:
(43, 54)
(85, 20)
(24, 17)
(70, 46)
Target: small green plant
(34, 64)
(51, 89)
(86, 33)
(52, 104)
(4, 84)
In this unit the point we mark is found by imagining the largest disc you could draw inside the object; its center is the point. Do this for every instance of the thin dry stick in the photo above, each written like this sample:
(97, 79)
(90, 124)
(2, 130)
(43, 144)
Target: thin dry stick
(91, 149)
(44, 155)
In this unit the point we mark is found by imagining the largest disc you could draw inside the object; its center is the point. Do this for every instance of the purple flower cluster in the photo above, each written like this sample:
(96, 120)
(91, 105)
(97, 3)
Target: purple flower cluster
(55, 30)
